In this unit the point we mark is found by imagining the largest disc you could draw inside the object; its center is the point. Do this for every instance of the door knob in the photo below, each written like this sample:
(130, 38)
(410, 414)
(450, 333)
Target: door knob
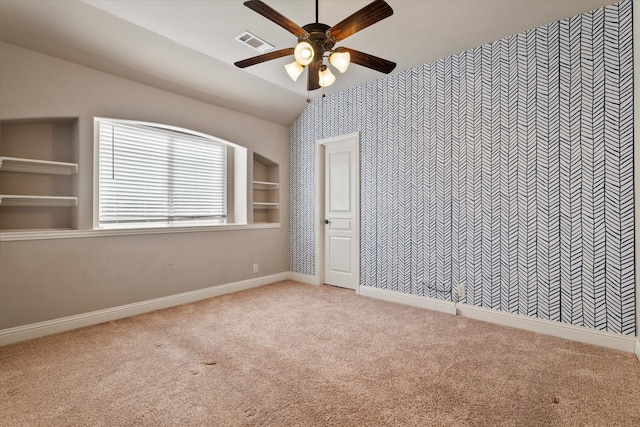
(326, 221)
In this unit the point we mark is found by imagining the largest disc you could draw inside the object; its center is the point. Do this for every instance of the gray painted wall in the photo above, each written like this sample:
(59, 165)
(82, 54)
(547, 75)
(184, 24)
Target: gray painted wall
(48, 279)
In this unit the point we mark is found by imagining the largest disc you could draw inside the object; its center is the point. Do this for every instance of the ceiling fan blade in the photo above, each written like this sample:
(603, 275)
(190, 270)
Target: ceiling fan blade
(264, 57)
(369, 61)
(276, 17)
(313, 75)
(368, 15)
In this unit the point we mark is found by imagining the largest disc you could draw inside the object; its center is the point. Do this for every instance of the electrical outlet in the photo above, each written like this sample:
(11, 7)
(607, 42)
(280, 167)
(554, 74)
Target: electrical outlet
(462, 290)
(255, 268)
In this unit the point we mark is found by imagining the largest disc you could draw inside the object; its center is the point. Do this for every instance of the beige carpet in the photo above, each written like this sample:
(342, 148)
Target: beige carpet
(291, 354)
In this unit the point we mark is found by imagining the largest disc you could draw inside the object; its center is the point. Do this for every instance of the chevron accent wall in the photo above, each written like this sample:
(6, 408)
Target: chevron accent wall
(507, 168)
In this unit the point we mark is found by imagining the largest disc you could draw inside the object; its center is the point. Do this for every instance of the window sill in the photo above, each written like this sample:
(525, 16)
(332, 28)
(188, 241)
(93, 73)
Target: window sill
(9, 236)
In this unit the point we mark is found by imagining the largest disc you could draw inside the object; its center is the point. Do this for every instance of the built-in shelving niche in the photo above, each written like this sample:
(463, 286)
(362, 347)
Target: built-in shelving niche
(38, 170)
(266, 190)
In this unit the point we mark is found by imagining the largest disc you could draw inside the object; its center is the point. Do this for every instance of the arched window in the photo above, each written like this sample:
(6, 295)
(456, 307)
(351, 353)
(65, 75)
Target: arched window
(151, 174)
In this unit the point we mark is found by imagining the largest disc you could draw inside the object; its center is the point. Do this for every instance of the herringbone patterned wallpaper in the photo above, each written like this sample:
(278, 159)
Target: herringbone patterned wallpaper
(508, 168)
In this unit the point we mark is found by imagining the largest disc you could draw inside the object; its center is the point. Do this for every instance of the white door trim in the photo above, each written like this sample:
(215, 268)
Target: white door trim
(319, 215)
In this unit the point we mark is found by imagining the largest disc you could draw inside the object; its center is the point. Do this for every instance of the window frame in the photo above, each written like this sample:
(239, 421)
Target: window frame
(234, 190)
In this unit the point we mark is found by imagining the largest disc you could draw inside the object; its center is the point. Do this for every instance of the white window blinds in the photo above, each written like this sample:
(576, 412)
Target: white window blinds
(155, 175)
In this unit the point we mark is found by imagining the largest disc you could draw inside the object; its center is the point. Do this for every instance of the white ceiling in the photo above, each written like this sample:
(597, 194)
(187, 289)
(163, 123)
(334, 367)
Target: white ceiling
(188, 46)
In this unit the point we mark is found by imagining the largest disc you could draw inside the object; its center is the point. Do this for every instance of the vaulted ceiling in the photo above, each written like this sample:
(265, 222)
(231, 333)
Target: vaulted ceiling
(189, 47)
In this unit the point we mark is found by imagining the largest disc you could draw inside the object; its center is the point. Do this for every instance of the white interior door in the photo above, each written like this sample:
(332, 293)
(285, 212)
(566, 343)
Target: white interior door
(341, 213)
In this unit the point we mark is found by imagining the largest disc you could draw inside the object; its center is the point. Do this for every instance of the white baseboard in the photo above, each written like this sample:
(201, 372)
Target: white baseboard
(548, 327)
(304, 278)
(575, 333)
(40, 329)
(414, 300)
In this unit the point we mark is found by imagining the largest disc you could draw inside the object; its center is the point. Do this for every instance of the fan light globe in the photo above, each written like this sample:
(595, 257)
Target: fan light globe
(294, 70)
(340, 60)
(303, 53)
(326, 76)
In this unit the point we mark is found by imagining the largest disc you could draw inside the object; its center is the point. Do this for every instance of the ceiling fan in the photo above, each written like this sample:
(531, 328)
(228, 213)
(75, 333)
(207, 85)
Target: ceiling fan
(315, 40)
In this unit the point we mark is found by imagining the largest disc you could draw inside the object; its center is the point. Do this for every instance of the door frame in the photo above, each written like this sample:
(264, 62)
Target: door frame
(320, 196)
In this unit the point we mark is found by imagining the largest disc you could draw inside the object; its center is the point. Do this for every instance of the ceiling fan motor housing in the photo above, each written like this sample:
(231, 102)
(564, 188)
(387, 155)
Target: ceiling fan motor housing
(318, 39)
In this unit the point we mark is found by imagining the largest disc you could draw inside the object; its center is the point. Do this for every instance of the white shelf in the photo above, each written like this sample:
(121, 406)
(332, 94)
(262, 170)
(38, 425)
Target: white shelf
(17, 164)
(36, 201)
(266, 190)
(263, 185)
(265, 205)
